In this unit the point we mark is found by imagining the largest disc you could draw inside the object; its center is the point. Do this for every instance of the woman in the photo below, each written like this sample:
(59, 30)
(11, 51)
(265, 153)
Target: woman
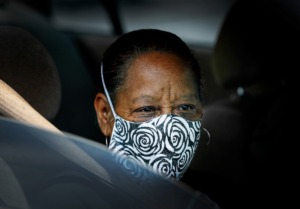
(150, 107)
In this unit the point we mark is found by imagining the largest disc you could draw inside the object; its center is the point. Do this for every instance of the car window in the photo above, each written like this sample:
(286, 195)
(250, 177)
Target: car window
(67, 171)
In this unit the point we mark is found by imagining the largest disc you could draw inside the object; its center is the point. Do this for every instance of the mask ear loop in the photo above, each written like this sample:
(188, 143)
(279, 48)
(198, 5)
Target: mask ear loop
(108, 98)
(106, 92)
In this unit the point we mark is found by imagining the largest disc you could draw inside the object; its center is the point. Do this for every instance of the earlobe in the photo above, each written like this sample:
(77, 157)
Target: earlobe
(104, 113)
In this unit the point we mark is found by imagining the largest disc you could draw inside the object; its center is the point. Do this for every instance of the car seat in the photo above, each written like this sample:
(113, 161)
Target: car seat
(76, 112)
(251, 130)
(28, 68)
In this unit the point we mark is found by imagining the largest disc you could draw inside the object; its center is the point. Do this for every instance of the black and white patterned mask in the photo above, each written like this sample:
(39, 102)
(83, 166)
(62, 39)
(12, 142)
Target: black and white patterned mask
(166, 144)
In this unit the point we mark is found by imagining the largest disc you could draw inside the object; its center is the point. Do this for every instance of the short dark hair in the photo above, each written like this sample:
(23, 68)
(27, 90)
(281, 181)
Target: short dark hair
(120, 54)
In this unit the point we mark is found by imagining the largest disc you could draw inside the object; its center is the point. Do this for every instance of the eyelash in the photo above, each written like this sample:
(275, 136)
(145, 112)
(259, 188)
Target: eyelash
(189, 106)
(143, 109)
(182, 107)
(188, 111)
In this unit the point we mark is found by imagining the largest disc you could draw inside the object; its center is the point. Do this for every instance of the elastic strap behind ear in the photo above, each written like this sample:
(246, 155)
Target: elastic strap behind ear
(106, 92)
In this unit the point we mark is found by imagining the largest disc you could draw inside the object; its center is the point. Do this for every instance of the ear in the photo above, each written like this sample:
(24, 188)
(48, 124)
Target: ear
(104, 114)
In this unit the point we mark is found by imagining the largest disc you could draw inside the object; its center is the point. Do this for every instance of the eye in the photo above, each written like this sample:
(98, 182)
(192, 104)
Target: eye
(146, 109)
(144, 113)
(186, 107)
(188, 111)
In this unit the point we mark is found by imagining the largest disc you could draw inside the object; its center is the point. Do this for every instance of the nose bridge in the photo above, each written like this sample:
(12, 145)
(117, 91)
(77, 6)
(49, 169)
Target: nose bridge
(167, 110)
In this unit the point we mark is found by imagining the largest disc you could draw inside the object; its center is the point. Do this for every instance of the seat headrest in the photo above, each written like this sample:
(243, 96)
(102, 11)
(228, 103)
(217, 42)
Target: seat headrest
(28, 68)
(256, 42)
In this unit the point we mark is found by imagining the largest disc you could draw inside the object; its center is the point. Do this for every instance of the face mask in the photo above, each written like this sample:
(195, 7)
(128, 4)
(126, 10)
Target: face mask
(165, 144)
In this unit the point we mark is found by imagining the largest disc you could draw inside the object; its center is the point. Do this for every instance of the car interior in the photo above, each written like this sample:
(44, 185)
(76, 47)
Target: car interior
(43, 169)
(249, 93)
(254, 58)
(70, 87)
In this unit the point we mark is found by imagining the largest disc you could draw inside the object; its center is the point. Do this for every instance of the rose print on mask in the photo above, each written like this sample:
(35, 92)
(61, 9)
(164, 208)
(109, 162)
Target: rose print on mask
(147, 140)
(176, 129)
(128, 164)
(165, 144)
(122, 128)
(162, 165)
(185, 159)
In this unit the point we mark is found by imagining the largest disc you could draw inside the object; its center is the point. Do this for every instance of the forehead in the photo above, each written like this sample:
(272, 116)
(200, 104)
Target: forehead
(158, 75)
(155, 66)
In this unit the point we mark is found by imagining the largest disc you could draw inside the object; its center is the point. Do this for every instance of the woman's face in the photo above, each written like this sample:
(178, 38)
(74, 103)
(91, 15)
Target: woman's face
(158, 83)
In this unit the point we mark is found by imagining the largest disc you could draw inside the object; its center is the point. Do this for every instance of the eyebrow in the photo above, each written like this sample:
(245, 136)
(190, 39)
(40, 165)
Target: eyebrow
(143, 96)
(148, 97)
